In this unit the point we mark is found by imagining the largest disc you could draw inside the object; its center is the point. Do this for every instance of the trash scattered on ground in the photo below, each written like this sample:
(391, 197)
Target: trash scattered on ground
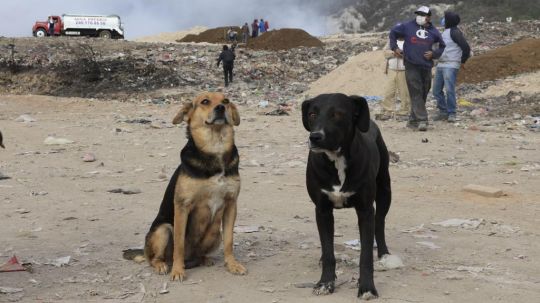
(427, 244)
(25, 118)
(355, 244)
(388, 262)
(50, 140)
(59, 262)
(394, 157)
(164, 289)
(9, 290)
(485, 191)
(246, 229)
(89, 157)
(463, 223)
(132, 191)
(12, 265)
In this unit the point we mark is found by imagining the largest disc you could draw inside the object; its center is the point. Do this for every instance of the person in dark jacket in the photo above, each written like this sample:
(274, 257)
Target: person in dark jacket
(420, 36)
(455, 54)
(254, 28)
(228, 57)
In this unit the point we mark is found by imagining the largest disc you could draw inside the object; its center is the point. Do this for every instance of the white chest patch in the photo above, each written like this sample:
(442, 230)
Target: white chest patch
(338, 197)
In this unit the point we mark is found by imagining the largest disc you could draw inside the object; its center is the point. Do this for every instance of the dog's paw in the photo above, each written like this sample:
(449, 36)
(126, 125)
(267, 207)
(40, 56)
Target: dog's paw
(236, 268)
(366, 292)
(160, 267)
(324, 288)
(178, 274)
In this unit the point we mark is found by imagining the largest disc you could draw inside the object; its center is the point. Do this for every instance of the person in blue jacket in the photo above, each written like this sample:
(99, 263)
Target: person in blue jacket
(418, 52)
(262, 29)
(455, 54)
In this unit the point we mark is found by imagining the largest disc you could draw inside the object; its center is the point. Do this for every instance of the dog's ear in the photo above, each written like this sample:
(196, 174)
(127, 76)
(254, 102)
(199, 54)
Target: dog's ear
(184, 114)
(235, 115)
(305, 109)
(362, 113)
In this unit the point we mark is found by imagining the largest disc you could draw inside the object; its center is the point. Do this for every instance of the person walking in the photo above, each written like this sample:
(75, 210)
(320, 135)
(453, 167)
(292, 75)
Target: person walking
(254, 28)
(245, 33)
(266, 25)
(420, 36)
(228, 57)
(396, 86)
(456, 53)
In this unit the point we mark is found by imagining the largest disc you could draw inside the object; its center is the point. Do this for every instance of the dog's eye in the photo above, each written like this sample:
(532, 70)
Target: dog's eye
(205, 102)
(312, 115)
(338, 115)
(225, 101)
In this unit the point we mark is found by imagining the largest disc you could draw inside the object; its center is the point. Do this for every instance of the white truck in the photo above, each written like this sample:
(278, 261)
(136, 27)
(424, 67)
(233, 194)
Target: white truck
(109, 26)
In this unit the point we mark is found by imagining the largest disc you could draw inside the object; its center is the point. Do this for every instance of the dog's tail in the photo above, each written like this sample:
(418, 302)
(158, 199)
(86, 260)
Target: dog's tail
(136, 255)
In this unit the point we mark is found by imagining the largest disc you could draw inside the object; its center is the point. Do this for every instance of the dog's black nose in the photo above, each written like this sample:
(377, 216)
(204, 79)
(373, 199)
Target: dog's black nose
(316, 137)
(220, 108)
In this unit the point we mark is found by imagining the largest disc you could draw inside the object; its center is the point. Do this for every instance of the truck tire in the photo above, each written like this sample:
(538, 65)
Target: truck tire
(40, 33)
(105, 34)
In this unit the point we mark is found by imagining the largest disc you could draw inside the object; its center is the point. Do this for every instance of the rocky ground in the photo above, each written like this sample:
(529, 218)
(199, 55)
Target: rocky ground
(84, 171)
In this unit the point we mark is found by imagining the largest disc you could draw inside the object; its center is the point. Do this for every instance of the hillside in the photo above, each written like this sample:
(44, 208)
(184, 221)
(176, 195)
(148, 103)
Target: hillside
(373, 15)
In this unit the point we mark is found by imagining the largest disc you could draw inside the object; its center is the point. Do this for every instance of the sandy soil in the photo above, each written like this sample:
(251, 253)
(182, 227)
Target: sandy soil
(56, 205)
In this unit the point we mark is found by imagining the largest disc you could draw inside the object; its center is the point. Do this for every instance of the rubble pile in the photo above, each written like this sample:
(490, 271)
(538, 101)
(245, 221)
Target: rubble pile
(95, 68)
(485, 36)
(517, 58)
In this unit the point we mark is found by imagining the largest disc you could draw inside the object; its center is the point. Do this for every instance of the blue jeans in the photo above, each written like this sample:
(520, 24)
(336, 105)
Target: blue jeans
(445, 77)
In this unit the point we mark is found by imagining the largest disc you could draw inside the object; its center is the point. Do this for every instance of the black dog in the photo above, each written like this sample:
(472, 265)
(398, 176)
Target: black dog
(347, 167)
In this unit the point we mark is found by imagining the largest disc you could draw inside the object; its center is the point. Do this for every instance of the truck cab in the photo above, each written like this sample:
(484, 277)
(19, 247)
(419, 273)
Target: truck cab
(41, 28)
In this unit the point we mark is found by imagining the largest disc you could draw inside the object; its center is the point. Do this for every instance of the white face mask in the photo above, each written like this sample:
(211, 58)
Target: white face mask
(420, 20)
(400, 44)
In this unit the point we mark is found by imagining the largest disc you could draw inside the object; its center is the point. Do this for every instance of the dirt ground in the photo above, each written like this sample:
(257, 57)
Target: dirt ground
(55, 205)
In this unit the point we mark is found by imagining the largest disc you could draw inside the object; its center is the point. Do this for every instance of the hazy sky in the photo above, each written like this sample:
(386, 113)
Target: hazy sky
(147, 17)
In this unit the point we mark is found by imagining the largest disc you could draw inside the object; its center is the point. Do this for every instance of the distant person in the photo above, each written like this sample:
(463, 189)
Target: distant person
(266, 25)
(245, 33)
(456, 53)
(396, 86)
(420, 36)
(227, 56)
(254, 28)
(51, 26)
(261, 26)
(232, 34)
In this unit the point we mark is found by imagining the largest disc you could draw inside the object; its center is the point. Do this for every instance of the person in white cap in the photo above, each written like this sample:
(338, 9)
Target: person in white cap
(420, 36)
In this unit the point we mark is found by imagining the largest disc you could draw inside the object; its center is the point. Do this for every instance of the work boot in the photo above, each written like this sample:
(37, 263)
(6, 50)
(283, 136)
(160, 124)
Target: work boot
(412, 124)
(422, 126)
(440, 117)
(452, 118)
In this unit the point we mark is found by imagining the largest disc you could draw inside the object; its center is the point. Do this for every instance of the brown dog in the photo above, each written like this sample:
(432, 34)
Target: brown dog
(200, 199)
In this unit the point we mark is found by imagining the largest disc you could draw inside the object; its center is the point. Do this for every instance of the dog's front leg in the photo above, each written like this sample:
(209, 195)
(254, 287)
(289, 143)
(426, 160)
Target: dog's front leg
(229, 217)
(325, 225)
(180, 222)
(366, 224)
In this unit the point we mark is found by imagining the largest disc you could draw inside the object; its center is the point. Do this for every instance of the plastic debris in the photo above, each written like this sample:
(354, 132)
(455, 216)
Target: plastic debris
(50, 140)
(464, 223)
(12, 265)
(59, 262)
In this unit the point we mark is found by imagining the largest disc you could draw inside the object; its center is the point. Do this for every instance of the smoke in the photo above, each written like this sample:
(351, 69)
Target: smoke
(149, 17)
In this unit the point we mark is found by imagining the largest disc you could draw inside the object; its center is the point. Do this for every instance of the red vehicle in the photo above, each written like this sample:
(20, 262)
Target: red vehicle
(104, 26)
(41, 28)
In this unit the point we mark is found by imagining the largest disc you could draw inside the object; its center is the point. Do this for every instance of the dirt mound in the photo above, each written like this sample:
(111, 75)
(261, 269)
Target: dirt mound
(283, 39)
(214, 35)
(361, 75)
(517, 58)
